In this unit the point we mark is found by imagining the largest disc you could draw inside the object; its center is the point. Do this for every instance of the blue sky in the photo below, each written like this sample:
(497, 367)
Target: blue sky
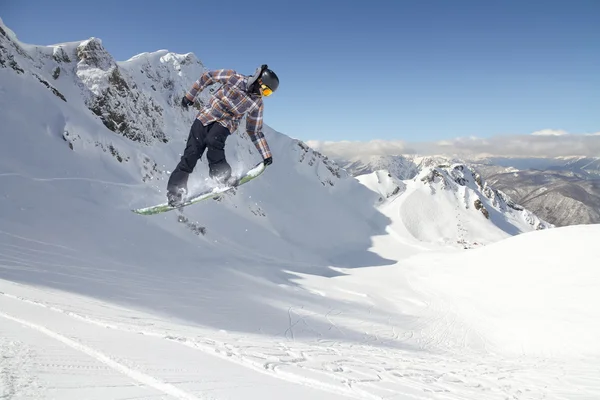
(414, 70)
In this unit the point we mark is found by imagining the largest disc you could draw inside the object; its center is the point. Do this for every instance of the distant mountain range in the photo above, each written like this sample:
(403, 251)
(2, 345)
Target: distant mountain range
(580, 167)
(563, 191)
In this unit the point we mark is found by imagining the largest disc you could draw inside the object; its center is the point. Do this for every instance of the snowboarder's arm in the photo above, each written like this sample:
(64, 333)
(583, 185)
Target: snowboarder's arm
(254, 122)
(208, 78)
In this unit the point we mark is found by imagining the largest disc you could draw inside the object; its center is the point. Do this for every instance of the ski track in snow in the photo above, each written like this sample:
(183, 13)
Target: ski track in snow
(359, 370)
(92, 180)
(35, 241)
(129, 372)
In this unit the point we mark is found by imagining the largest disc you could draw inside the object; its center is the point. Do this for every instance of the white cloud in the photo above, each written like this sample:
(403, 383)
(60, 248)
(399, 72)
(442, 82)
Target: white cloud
(544, 143)
(550, 132)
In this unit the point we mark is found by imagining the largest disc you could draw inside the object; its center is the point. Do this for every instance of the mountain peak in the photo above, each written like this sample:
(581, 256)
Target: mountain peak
(91, 53)
(450, 175)
(163, 55)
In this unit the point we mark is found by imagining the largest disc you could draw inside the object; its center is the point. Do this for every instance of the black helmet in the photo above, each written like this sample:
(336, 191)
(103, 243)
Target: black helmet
(269, 78)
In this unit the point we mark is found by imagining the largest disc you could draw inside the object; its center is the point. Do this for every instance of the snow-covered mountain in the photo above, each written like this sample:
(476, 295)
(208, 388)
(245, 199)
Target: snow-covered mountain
(122, 120)
(450, 204)
(562, 191)
(447, 196)
(307, 283)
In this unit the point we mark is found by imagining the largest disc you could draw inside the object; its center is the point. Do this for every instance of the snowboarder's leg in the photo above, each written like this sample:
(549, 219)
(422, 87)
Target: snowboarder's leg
(194, 149)
(219, 168)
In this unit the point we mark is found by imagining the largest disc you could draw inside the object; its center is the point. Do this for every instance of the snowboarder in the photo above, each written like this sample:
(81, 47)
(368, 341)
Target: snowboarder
(238, 95)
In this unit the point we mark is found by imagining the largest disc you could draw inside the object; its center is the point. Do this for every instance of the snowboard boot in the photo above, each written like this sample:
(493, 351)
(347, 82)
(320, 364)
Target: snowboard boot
(220, 173)
(175, 199)
(226, 181)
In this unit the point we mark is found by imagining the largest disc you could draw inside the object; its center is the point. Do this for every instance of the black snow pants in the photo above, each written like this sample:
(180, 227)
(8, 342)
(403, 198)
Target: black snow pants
(201, 138)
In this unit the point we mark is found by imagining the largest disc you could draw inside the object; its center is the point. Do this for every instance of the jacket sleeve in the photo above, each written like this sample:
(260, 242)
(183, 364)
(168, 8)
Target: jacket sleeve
(254, 122)
(208, 78)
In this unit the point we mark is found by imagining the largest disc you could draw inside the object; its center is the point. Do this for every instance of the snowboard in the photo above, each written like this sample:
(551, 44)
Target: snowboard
(204, 195)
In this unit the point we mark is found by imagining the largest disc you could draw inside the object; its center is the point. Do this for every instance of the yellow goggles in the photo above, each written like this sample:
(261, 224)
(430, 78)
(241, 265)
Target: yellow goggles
(266, 91)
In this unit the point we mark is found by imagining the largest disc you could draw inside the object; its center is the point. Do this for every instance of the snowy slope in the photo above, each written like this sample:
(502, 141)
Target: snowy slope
(383, 183)
(303, 285)
(533, 294)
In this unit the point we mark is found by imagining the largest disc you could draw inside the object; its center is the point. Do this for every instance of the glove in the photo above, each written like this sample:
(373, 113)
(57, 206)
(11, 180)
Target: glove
(185, 102)
(268, 161)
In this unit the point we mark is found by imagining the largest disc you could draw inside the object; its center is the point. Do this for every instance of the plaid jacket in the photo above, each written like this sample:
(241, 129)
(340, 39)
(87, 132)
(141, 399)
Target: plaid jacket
(229, 104)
